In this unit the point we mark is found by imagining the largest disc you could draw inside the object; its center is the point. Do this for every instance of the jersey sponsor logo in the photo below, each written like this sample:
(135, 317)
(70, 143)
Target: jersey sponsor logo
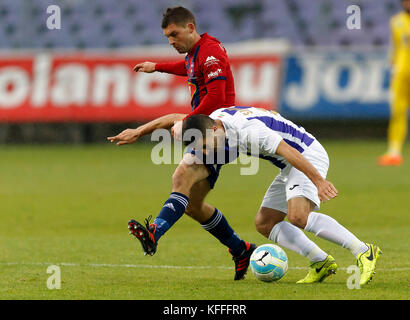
(215, 73)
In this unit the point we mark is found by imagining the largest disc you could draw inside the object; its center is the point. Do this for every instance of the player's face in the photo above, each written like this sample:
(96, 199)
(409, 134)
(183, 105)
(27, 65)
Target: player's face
(406, 5)
(180, 37)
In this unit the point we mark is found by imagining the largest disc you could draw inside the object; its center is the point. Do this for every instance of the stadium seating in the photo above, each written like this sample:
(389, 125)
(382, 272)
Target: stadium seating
(127, 23)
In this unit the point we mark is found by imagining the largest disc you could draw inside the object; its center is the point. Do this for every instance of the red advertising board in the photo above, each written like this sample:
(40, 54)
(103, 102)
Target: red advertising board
(85, 87)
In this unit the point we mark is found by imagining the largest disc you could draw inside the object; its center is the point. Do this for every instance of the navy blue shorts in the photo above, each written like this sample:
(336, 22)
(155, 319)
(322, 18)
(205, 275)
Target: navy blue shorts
(214, 164)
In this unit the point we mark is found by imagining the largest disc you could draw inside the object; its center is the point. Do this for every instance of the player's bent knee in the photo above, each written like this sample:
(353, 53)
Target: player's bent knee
(181, 178)
(262, 227)
(297, 220)
(177, 177)
(298, 211)
(266, 219)
(186, 175)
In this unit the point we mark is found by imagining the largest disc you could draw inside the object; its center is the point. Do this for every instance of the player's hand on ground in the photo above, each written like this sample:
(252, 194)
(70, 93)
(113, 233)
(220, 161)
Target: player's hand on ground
(125, 137)
(326, 191)
(146, 66)
(176, 130)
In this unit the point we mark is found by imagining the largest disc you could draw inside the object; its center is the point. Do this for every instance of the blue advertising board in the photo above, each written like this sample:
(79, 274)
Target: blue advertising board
(331, 84)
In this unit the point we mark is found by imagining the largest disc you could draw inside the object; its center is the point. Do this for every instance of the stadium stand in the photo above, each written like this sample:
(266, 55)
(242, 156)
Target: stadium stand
(127, 23)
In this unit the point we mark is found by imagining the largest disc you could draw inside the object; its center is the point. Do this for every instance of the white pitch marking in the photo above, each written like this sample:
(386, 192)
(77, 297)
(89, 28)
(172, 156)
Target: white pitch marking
(149, 266)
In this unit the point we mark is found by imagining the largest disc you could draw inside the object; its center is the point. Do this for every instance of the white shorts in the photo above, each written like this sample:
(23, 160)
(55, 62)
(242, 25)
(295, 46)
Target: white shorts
(291, 183)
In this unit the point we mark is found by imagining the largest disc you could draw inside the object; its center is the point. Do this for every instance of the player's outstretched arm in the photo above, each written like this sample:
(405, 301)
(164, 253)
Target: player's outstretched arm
(177, 68)
(326, 190)
(146, 66)
(131, 135)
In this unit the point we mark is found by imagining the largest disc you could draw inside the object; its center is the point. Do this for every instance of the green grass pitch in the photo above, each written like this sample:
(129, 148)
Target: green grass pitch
(69, 206)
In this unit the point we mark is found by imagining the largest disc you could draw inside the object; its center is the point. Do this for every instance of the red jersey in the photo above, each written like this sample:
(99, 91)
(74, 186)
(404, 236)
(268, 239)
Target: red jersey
(209, 74)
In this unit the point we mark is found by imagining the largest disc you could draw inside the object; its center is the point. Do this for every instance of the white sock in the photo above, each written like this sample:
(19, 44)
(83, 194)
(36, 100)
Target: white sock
(328, 228)
(291, 237)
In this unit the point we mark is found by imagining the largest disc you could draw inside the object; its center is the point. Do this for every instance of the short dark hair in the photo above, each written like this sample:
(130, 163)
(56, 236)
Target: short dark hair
(200, 122)
(177, 15)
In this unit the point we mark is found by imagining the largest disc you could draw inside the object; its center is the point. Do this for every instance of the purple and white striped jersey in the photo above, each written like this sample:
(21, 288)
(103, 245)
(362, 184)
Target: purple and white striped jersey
(258, 132)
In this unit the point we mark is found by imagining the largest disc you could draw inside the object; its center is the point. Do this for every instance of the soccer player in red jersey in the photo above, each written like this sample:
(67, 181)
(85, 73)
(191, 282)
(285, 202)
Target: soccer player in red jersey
(206, 64)
(210, 79)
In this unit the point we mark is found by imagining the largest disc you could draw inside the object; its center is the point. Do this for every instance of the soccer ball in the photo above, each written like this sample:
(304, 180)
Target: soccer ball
(269, 262)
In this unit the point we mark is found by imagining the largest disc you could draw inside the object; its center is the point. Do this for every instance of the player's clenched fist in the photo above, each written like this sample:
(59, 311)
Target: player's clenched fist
(146, 66)
(125, 137)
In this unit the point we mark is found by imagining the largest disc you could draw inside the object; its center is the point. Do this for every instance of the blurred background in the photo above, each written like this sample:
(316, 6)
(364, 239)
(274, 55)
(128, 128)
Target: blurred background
(75, 84)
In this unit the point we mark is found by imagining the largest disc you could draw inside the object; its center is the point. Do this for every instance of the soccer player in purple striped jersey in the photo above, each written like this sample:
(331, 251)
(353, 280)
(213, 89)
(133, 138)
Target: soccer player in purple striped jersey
(297, 191)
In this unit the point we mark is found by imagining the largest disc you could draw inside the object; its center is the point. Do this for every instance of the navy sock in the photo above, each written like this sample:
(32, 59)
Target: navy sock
(172, 210)
(219, 227)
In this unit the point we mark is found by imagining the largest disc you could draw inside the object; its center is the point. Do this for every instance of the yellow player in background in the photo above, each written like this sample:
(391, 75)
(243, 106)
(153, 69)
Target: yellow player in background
(400, 86)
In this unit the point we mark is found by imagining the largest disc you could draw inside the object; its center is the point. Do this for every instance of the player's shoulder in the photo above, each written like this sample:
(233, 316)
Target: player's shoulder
(212, 49)
(220, 113)
(227, 115)
(212, 42)
(397, 19)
